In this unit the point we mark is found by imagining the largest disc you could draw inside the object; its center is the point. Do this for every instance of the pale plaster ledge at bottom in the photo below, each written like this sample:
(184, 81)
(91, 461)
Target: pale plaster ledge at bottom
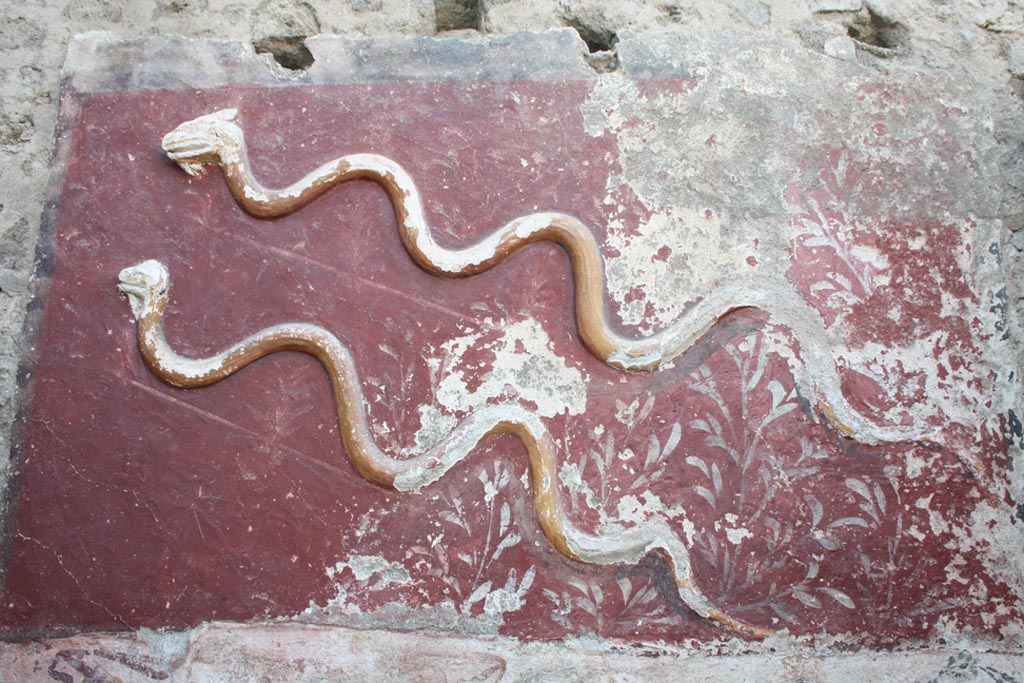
(256, 652)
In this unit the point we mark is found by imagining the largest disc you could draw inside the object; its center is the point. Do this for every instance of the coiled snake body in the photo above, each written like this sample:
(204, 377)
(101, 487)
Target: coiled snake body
(148, 286)
(217, 139)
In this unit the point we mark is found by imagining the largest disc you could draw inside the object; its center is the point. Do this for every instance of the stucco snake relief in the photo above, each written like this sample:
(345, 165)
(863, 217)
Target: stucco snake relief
(217, 139)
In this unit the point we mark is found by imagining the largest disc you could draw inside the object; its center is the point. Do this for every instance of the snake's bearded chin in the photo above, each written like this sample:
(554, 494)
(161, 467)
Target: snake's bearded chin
(194, 169)
(136, 296)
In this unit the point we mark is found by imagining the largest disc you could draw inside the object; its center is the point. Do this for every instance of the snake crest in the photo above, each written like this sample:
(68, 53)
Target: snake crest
(204, 141)
(145, 285)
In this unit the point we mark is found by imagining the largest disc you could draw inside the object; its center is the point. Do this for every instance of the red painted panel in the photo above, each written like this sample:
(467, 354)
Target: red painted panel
(142, 505)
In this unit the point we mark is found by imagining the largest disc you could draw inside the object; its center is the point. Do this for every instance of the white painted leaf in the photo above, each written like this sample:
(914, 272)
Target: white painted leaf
(858, 487)
(758, 373)
(817, 511)
(510, 582)
(778, 393)
(716, 478)
(869, 510)
(699, 464)
(777, 413)
(813, 203)
(815, 241)
(821, 286)
(842, 280)
(880, 498)
(786, 616)
(700, 425)
(646, 410)
(712, 543)
(806, 598)
(506, 516)
(709, 557)
(849, 521)
(587, 606)
(827, 543)
(501, 476)
(609, 448)
(527, 581)
(649, 594)
(715, 441)
(626, 586)
(476, 596)
(716, 426)
(505, 544)
(653, 451)
(579, 585)
(705, 494)
(812, 570)
(839, 596)
(598, 594)
(673, 440)
(453, 519)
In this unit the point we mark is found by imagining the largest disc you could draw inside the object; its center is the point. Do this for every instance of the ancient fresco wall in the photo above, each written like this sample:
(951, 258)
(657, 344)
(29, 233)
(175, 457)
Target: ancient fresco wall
(800, 430)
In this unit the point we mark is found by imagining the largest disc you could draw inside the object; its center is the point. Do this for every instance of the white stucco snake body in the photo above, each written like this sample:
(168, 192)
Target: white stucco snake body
(147, 286)
(216, 139)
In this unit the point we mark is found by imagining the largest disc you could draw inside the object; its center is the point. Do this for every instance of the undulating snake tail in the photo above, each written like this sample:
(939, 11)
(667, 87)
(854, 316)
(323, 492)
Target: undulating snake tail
(147, 286)
(216, 139)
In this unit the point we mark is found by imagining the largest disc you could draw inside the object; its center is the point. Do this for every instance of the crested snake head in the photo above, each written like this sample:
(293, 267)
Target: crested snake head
(146, 285)
(206, 140)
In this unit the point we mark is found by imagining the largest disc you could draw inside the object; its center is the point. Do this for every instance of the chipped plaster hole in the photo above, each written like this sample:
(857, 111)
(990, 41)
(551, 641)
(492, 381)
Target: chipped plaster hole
(289, 52)
(600, 41)
(872, 30)
(455, 15)
(280, 28)
(597, 38)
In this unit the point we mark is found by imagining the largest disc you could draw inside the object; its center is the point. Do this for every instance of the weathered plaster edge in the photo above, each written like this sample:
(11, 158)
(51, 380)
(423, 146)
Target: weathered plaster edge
(221, 651)
(33, 307)
(100, 61)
